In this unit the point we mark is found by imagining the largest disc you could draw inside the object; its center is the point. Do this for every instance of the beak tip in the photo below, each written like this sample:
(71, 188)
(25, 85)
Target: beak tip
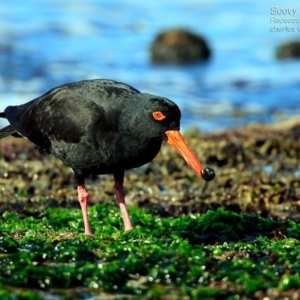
(208, 174)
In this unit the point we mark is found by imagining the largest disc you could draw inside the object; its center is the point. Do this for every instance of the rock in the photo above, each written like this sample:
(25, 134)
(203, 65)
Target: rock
(179, 46)
(289, 50)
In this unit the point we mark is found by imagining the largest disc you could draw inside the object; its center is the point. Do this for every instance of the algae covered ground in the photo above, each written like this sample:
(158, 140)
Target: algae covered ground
(218, 255)
(237, 237)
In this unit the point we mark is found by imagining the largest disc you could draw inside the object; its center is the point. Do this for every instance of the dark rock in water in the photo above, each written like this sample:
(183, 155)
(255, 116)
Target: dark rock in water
(289, 50)
(179, 46)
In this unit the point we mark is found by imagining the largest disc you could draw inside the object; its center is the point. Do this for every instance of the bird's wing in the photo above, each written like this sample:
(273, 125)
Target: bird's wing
(56, 115)
(68, 112)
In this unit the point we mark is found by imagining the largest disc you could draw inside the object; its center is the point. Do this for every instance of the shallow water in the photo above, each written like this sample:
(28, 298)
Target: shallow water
(47, 43)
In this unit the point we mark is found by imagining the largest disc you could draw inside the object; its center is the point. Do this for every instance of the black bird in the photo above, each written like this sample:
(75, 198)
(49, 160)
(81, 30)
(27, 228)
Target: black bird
(100, 127)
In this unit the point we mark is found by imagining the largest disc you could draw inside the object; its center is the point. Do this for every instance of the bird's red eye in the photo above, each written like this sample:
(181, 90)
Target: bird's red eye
(158, 115)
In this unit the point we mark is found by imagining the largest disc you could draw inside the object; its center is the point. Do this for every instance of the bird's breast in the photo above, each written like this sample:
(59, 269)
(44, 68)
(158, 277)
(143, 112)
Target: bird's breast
(107, 158)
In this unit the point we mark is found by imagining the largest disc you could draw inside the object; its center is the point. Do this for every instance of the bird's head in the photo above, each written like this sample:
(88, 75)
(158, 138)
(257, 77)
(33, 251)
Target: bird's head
(161, 118)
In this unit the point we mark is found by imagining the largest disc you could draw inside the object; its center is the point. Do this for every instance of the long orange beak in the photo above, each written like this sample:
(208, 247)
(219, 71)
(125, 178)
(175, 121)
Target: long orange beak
(178, 142)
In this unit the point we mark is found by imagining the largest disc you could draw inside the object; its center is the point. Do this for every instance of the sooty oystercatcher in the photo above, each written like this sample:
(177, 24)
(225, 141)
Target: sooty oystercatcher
(100, 127)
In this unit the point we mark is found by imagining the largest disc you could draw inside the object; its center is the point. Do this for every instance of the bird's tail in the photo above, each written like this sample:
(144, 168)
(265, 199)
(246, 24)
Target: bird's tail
(6, 131)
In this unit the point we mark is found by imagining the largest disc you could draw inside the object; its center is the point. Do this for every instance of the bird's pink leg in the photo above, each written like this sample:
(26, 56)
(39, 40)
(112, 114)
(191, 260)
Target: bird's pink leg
(83, 197)
(120, 194)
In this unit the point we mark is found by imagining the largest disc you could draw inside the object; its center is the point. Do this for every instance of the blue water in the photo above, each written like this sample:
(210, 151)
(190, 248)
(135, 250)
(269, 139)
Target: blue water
(47, 43)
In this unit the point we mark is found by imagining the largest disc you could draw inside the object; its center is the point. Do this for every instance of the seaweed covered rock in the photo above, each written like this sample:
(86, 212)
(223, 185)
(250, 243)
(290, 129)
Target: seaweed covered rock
(257, 171)
(179, 46)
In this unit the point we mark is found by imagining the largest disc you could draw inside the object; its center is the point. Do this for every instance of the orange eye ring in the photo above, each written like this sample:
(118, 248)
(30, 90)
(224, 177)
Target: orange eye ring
(158, 115)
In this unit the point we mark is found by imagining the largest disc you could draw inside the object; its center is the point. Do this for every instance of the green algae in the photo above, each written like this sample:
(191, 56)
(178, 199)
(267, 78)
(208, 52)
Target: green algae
(216, 255)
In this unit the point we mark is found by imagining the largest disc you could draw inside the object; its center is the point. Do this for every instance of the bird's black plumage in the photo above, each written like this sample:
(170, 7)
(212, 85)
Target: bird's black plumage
(95, 126)
(99, 127)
